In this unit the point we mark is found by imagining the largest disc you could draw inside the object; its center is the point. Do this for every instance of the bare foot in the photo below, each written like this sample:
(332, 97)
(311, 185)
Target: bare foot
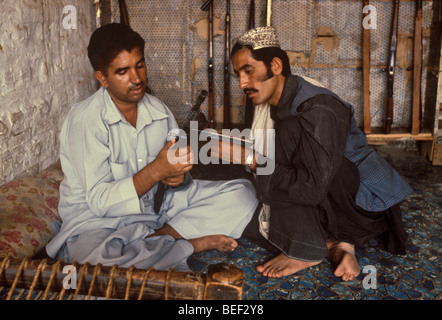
(342, 255)
(218, 241)
(282, 266)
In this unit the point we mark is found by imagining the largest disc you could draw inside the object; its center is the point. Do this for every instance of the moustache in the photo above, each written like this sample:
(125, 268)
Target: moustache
(249, 90)
(135, 86)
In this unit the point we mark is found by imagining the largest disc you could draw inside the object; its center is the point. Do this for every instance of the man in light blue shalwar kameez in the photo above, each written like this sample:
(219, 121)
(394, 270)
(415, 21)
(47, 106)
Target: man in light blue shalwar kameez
(113, 152)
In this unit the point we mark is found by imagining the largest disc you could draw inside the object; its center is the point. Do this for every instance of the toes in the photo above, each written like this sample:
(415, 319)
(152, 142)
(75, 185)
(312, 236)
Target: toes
(271, 272)
(265, 270)
(225, 244)
(347, 277)
(263, 267)
(231, 245)
(339, 272)
(276, 273)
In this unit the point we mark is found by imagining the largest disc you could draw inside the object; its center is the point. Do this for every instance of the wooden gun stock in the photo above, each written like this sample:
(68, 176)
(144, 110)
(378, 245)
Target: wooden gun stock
(124, 19)
(366, 74)
(268, 12)
(391, 67)
(389, 119)
(417, 70)
(252, 15)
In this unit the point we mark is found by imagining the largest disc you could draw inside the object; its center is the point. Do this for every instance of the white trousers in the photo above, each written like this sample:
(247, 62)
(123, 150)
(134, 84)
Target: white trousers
(202, 208)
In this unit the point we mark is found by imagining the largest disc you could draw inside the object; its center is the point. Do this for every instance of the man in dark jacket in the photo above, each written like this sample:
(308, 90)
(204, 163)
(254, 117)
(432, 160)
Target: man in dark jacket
(329, 191)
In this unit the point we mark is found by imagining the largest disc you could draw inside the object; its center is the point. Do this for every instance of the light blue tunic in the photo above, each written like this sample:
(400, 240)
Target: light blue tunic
(104, 221)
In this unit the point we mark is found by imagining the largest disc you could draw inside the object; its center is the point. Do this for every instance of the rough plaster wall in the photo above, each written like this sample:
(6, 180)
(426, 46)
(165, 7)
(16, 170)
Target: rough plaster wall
(44, 70)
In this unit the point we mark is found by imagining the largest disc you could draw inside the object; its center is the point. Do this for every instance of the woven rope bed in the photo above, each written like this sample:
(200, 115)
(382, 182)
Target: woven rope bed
(29, 279)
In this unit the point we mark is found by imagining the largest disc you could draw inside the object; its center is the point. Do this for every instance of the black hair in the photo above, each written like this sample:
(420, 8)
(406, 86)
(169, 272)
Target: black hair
(110, 40)
(266, 55)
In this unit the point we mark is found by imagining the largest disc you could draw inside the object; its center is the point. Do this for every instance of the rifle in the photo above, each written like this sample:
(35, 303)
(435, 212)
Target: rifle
(269, 13)
(124, 19)
(226, 70)
(391, 67)
(195, 112)
(249, 105)
(366, 74)
(209, 4)
(417, 65)
(124, 16)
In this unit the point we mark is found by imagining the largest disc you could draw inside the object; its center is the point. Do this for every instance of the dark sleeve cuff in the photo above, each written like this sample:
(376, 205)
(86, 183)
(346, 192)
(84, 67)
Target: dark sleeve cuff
(187, 180)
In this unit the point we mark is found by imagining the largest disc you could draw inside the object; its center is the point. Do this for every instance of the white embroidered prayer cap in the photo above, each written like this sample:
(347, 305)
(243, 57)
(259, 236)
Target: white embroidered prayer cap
(261, 37)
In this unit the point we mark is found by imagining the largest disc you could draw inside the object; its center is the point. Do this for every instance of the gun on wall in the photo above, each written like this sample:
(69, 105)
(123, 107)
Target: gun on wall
(248, 117)
(226, 69)
(366, 74)
(124, 19)
(417, 70)
(195, 113)
(391, 67)
(268, 12)
(209, 5)
(124, 16)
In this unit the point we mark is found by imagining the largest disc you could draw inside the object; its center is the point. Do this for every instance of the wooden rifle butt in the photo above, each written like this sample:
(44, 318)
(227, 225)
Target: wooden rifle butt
(366, 76)
(417, 70)
(389, 118)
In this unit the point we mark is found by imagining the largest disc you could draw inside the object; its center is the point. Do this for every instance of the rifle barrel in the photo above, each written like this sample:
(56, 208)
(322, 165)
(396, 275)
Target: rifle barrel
(211, 69)
(417, 70)
(226, 70)
(124, 16)
(391, 67)
(252, 15)
(366, 75)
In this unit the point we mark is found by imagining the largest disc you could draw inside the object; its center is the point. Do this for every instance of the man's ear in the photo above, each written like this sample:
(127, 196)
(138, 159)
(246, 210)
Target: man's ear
(276, 65)
(101, 77)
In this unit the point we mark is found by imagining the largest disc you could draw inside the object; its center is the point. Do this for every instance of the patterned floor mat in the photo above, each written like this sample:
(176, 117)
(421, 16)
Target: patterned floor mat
(416, 275)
